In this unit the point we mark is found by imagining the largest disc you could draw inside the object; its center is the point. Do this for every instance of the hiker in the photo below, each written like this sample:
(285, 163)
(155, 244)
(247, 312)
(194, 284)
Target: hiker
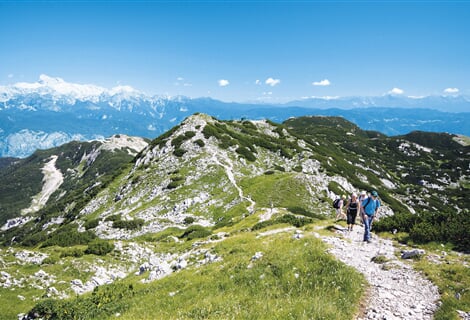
(369, 207)
(362, 197)
(339, 207)
(352, 207)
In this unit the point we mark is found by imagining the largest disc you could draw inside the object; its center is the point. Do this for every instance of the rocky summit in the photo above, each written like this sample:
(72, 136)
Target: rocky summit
(235, 209)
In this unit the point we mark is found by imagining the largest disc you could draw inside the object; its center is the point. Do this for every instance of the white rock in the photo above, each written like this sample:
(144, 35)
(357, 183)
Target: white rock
(412, 253)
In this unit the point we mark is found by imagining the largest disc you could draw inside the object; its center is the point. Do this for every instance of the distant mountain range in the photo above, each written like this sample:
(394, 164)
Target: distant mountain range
(51, 112)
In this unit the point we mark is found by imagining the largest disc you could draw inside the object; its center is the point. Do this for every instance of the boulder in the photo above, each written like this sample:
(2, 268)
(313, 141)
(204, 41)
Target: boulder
(408, 254)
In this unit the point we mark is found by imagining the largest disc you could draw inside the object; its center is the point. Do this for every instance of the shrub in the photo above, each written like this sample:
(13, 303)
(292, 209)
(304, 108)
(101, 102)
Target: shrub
(179, 152)
(69, 236)
(200, 143)
(195, 231)
(210, 131)
(176, 142)
(287, 218)
(100, 248)
(245, 153)
(304, 212)
(295, 221)
(425, 227)
(379, 259)
(188, 220)
(52, 259)
(113, 217)
(105, 301)
(173, 184)
(189, 134)
(128, 224)
(336, 188)
(34, 239)
(90, 224)
(72, 252)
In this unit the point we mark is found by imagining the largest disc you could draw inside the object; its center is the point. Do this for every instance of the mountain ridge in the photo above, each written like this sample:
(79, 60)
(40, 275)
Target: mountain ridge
(224, 200)
(51, 112)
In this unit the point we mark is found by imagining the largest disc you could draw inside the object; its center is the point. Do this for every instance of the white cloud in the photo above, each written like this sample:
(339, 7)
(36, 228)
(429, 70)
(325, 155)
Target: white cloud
(323, 83)
(258, 82)
(272, 82)
(223, 83)
(451, 90)
(10, 75)
(179, 79)
(396, 91)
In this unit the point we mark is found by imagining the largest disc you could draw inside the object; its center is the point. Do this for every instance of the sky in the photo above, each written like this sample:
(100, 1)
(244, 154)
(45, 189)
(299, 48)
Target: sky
(270, 51)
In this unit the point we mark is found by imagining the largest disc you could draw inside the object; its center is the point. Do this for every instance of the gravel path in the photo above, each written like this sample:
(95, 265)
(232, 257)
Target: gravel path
(397, 291)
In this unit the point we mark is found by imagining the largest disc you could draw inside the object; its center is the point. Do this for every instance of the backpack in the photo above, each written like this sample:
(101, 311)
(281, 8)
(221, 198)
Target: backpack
(336, 203)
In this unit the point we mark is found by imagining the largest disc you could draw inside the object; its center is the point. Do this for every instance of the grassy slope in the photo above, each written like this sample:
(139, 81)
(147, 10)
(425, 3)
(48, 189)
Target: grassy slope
(294, 279)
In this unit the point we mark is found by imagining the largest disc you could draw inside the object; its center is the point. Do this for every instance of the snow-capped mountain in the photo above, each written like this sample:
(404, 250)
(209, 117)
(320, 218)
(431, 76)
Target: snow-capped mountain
(58, 89)
(51, 111)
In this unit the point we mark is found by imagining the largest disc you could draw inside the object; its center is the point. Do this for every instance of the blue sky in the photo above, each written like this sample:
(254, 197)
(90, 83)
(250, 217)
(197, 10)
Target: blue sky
(241, 50)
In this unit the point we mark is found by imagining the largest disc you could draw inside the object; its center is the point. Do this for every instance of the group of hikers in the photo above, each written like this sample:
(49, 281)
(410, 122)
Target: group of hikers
(365, 205)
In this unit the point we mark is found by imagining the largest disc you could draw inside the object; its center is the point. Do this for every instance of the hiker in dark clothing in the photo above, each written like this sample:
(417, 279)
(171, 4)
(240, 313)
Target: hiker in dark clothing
(352, 207)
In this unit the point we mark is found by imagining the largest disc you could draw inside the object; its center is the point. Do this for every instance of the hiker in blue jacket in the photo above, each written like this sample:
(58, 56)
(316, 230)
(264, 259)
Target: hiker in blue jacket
(369, 208)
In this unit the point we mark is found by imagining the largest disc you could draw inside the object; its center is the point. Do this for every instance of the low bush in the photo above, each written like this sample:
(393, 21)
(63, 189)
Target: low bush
(72, 252)
(68, 236)
(426, 227)
(90, 224)
(179, 152)
(195, 231)
(304, 212)
(113, 217)
(100, 248)
(174, 184)
(105, 302)
(129, 224)
(188, 220)
(245, 153)
(200, 143)
(287, 218)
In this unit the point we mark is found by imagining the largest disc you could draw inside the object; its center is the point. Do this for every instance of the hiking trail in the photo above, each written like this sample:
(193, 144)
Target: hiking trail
(396, 290)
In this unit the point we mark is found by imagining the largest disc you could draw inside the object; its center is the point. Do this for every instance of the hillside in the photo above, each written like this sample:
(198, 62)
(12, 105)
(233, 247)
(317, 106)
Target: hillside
(198, 211)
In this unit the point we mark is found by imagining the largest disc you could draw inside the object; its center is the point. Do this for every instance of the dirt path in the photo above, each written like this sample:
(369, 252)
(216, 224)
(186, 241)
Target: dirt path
(397, 291)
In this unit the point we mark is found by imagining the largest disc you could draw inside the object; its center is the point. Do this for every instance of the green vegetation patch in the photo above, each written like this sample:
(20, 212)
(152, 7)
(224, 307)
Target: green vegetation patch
(287, 218)
(67, 236)
(129, 224)
(195, 232)
(427, 227)
(452, 277)
(277, 190)
(100, 247)
(104, 302)
(293, 279)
